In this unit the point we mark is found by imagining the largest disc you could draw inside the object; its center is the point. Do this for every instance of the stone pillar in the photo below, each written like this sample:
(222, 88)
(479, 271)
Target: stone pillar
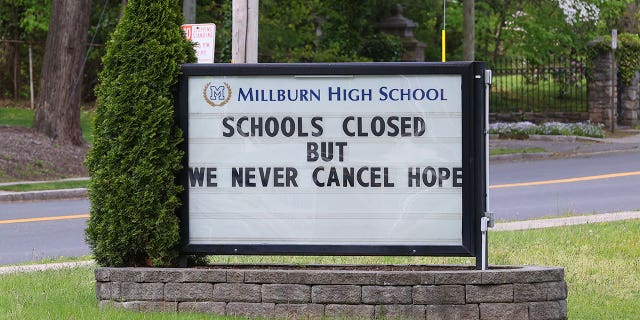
(602, 90)
(402, 27)
(629, 100)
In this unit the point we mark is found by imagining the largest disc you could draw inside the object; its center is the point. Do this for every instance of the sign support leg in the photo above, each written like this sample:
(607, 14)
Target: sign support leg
(487, 220)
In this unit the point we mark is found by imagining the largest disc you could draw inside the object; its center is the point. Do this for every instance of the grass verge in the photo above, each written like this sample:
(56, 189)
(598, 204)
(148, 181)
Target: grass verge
(500, 151)
(601, 261)
(56, 185)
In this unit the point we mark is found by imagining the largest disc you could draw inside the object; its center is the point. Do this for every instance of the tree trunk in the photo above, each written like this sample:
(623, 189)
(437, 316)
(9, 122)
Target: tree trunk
(629, 19)
(58, 103)
(502, 23)
(15, 52)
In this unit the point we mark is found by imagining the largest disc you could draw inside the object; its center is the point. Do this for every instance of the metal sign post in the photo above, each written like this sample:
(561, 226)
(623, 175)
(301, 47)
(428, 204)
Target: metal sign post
(486, 221)
(444, 31)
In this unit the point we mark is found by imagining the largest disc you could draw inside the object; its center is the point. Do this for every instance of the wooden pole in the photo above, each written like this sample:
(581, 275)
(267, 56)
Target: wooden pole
(239, 31)
(251, 47)
(468, 30)
(244, 44)
(189, 11)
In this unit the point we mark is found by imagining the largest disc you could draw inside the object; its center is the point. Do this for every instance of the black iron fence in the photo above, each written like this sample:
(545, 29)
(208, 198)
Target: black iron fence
(554, 85)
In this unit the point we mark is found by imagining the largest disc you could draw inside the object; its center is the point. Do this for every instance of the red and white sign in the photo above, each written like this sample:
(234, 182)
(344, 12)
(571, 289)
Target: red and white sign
(204, 37)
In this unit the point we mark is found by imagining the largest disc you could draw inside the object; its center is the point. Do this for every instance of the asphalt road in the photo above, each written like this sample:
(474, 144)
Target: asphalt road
(597, 184)
(519, 191)
(35, 240)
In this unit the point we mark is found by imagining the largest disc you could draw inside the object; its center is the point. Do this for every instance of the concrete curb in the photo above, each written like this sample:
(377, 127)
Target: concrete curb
(522, 156)
(78, 193)
(547, 155)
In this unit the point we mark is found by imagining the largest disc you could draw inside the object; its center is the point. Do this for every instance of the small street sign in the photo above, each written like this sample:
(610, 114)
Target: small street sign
(204, 37)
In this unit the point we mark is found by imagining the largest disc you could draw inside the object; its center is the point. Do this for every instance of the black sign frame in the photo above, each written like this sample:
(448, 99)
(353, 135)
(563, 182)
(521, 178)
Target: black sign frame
(473, 154)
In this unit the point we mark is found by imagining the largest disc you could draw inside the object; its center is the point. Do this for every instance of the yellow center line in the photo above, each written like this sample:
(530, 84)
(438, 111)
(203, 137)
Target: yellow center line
(77, 216)
(569, 180)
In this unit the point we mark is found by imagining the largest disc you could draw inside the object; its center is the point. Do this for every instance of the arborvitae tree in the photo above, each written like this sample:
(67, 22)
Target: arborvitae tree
(135, 155)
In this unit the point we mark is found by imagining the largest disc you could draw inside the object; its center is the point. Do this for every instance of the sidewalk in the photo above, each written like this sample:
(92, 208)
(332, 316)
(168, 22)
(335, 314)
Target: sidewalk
(565, 146)
(46, 266)
(567, 221)
(553, 146)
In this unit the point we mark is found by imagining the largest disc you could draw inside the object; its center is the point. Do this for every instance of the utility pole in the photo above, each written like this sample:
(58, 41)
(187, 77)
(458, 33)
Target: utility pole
(244, 45)
(189, 11)
(468, 30)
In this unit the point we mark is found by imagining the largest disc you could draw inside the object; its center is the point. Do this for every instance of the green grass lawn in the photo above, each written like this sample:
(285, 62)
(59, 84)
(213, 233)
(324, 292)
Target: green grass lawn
(70, 184)
(516, 93)
(601, 261)
(22, 117)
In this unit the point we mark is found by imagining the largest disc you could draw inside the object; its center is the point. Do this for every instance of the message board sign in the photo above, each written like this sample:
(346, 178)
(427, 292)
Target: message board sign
(363, 159)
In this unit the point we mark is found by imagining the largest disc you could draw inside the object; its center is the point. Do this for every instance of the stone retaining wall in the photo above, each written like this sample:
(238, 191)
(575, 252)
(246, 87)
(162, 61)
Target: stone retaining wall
(295, 293)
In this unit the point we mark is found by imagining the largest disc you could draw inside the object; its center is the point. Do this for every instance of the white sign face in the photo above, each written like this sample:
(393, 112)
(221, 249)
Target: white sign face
(325, 160)
(204, 38)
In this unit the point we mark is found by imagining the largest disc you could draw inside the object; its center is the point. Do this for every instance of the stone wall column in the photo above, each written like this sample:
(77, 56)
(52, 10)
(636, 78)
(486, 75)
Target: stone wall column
(602, 90)
(629, 100)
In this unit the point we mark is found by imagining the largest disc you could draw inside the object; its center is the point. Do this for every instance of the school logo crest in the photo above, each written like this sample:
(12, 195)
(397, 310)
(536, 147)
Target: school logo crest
(215, 95)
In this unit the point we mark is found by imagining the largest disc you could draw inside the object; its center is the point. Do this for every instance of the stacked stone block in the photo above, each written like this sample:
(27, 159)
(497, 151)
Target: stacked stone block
(630, 102)
(602, 89)
(295, 293)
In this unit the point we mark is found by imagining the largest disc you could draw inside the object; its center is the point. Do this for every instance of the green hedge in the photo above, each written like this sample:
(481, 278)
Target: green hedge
(135, 154)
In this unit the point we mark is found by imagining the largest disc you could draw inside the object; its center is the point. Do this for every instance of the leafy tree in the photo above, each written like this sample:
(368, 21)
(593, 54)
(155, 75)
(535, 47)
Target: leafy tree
(25, 23)
(22, 22)
(323, 31)
(218, 12)
(619, 14)
(135, 155)
(288, 30)
(104, 18)
(534, 29)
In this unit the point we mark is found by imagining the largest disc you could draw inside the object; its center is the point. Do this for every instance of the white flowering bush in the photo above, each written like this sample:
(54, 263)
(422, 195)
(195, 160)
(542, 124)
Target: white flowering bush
(584, 129)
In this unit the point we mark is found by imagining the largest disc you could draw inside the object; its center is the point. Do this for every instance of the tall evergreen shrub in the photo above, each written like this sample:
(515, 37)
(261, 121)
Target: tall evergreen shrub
(135, 154)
